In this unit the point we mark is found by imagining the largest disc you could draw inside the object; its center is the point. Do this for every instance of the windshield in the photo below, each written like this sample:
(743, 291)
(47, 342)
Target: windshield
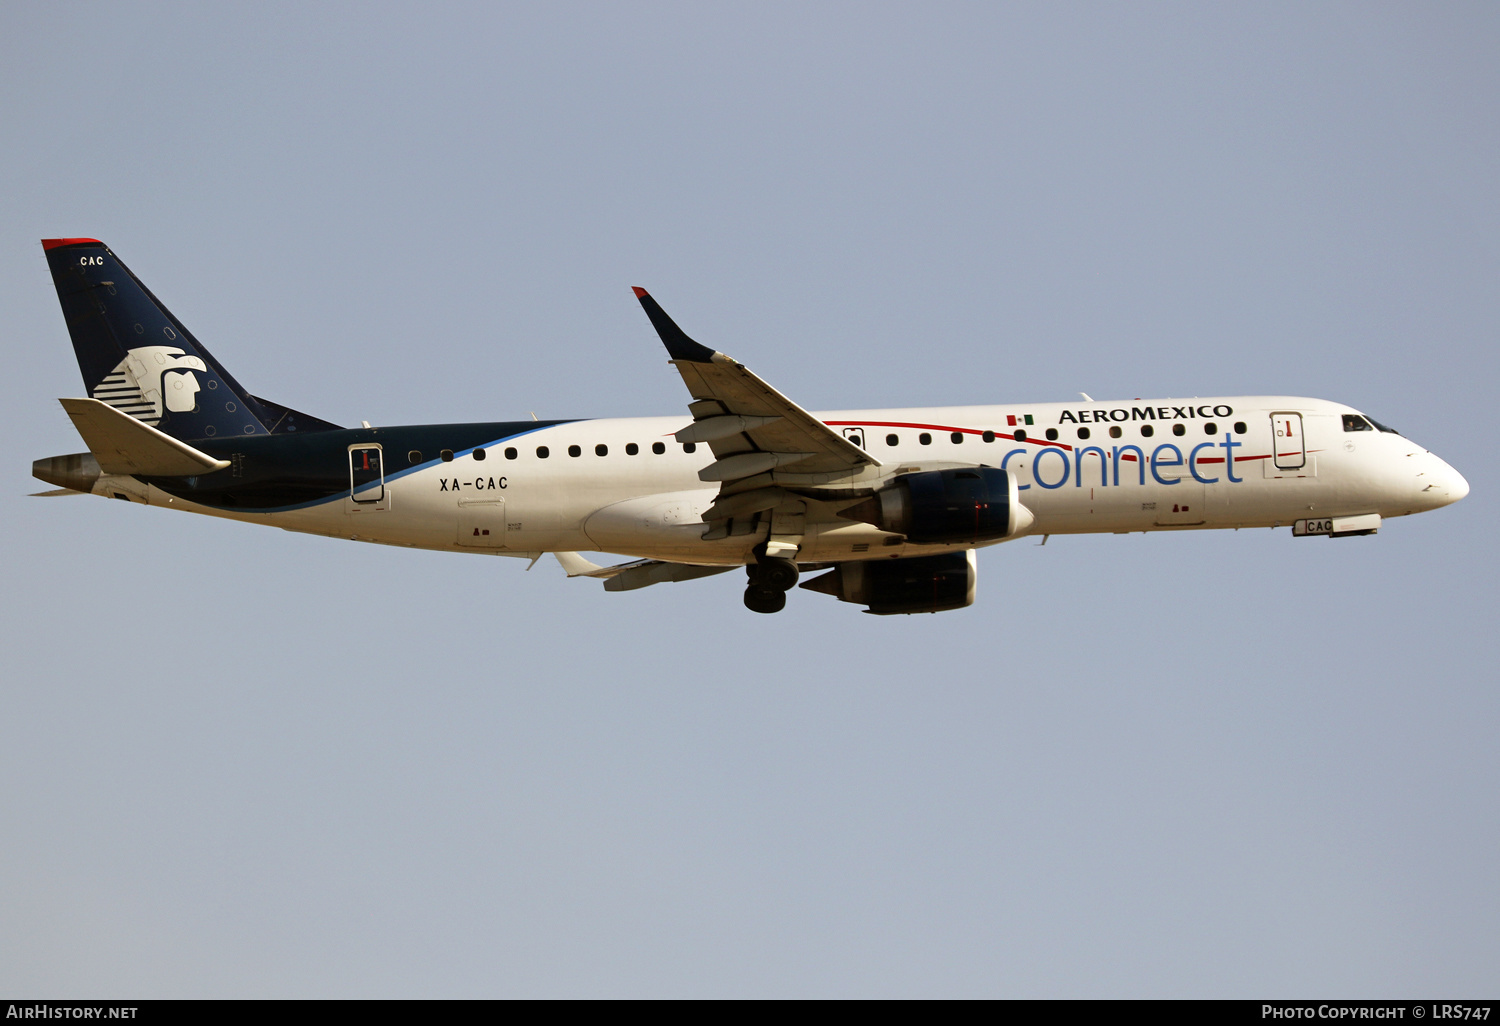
(1359, 422)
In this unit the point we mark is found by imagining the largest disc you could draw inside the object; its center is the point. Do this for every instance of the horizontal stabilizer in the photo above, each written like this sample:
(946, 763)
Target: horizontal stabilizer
(124, 445)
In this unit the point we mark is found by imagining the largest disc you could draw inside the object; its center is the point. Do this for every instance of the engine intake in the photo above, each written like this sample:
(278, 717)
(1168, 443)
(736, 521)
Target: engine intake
(944, 507)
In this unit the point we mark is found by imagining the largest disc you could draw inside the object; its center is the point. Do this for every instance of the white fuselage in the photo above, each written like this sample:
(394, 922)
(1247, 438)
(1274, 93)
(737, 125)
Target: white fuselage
(1137, 465)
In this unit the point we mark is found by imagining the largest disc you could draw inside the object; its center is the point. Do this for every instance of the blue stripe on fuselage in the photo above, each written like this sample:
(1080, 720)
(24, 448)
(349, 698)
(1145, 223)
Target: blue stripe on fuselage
(269, 466)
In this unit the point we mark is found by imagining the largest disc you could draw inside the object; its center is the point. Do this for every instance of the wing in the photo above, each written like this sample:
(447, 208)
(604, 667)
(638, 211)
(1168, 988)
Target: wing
(753, 430)
(641, 573)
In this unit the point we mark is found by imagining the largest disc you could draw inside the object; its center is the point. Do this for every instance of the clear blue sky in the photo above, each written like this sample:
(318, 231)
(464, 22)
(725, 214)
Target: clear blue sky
(241, 762)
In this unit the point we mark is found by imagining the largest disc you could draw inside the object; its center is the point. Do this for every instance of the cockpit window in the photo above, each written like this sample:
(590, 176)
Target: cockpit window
(1382, 427)
(1354, 422)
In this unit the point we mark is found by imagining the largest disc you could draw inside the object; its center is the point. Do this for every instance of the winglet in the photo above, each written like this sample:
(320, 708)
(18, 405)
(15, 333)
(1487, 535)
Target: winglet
(679, 346)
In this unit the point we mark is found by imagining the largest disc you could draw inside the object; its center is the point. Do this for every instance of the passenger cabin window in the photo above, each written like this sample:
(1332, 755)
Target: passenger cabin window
(631, 448)
(1354, 422)
(542, 452)
(575, 450)
(1147, 430)
(1083, 433)
(415, 456)
(447, 455)
(1239, 427)
(1179, 429)
(658, 447)
(1052, 434)
(601, 450)
(892, 440)
(479, 454)
(511, 454)
(1115, 432)
(925, 438)
(1210, 428)
(988, 436)
(689, 446)
(958, 437)
(1019, 436)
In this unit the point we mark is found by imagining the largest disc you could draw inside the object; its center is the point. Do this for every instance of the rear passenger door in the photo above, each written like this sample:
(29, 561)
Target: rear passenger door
(367, 493)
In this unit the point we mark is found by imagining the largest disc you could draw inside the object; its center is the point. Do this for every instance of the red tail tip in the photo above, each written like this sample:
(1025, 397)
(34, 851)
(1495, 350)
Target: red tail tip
(54, 243)
(640, 293)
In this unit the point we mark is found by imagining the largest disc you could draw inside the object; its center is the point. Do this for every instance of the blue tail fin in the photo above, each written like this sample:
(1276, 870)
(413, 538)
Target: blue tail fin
(138, 358)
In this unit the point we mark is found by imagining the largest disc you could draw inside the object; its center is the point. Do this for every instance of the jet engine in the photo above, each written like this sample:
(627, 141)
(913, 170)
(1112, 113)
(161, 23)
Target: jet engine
(921, 584)
(943, 507)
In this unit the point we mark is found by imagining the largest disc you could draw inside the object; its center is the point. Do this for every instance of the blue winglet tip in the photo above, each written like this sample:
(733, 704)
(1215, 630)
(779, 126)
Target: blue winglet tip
(679, 345)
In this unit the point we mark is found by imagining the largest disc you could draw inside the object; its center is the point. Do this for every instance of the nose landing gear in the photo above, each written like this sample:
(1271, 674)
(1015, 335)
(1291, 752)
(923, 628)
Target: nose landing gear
(771, 577)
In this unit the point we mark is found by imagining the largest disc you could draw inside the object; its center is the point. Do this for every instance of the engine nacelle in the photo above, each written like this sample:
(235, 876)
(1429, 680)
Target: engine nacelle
(945, 507)
(921, 584)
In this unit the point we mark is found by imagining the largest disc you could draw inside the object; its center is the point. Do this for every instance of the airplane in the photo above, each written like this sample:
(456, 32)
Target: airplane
(887, 506)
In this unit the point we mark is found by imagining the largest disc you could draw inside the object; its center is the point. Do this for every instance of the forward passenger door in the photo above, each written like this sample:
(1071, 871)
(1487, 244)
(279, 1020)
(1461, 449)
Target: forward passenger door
(1291, 450)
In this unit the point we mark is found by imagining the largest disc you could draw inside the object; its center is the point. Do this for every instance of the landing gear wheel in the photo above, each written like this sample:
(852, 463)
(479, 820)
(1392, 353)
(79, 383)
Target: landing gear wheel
(777, 573)
(764, 600)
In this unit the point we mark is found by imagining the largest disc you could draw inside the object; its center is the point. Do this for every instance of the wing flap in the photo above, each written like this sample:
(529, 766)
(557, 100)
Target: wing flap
(718, 426)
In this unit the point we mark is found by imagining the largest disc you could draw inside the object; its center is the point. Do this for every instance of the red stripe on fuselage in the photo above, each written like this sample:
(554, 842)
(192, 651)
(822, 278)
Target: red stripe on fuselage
(1012, 438)
(940, 427)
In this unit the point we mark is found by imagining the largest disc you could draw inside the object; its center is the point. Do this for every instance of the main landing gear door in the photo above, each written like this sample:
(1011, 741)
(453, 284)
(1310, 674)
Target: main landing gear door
(366, 479)
(1291, 450)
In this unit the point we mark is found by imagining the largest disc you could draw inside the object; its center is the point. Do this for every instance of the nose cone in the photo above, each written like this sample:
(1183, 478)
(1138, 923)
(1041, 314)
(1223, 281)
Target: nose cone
(1440, 485)
(1456, 485)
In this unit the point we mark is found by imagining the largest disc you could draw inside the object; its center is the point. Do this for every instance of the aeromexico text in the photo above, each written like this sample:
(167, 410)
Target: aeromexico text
(1145, 413)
